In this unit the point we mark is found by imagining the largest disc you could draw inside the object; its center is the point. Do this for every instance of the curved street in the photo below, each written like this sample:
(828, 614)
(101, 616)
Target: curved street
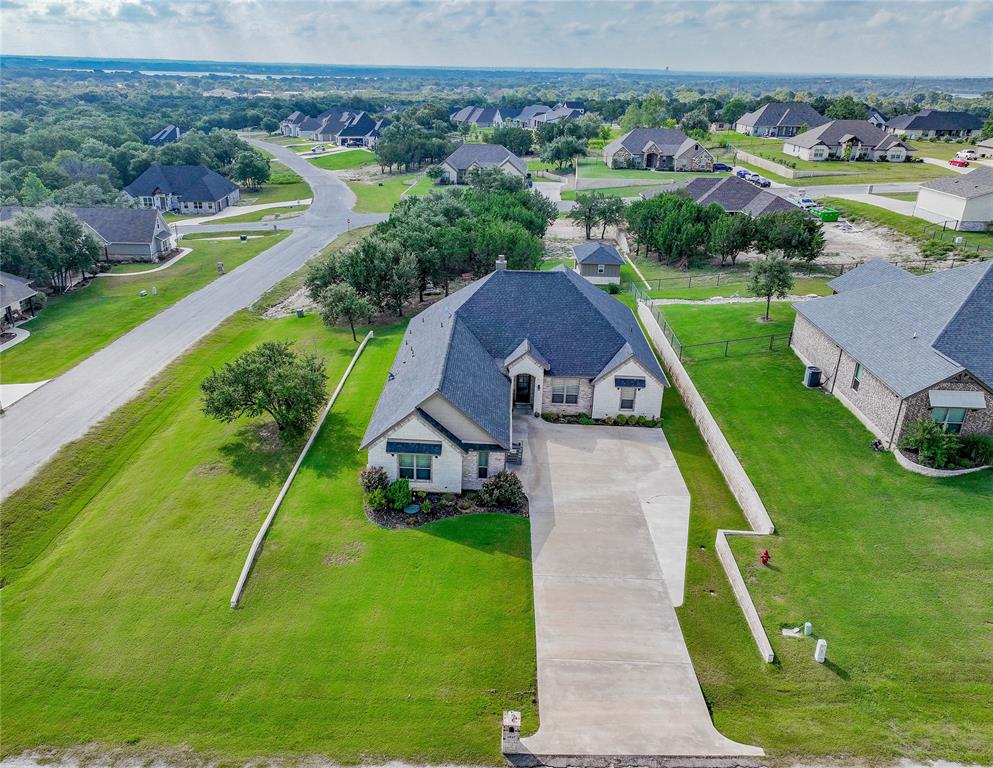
(37, 426)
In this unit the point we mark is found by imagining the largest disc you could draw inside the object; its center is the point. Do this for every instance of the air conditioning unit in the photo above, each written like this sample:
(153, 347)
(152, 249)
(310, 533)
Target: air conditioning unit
(812, 377)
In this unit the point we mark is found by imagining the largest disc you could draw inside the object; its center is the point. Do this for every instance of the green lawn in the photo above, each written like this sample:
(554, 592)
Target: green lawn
(245, 218)
(74, 326)
(286, 141)
(595, 168)
(890, 567)
(535, 165)
(907, 225)
(424, 186)
(548, 264)
(939, 150)
(381, 196)
(339, 161)
(631, 191)
(735, 285)
(908, 197)
(353, 643)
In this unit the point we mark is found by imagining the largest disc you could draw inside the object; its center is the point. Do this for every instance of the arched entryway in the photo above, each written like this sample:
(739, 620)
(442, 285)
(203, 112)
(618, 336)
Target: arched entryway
(524, 390)
(651, 160)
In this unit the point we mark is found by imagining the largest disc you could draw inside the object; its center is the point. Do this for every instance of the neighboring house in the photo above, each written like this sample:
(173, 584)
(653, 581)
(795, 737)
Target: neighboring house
(362, 130)
(531, 342)
(780, 120)
(557, 115)
(984, 148)
(288, 125)
(167, 135)
(15, 299)
(479, 156)
(600, 263)
(479, 117)
(933, 123)
(526, 117)
(661, 149)
(124, 234)
(183, 188)
(847, 140)
(966, 200)
(308, 128)
(734, 195)
(893, 346)
(876, 118)
(576, 105)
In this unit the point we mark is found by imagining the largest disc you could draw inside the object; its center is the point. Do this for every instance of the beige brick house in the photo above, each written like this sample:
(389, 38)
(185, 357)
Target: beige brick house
(893, 346)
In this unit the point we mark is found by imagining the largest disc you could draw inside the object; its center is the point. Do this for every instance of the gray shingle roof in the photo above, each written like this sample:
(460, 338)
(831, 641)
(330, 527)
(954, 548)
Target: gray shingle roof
(114, 225)
(191, 182)
(484, 156)
(975, 183)
(668, 140)
(167, 135)
(732, 194)
(936, 120)
(914, 332)
(596, 253)
(870, 273)
(482, 116)
(13, 290)
(834, 132)
(792, 114)
(456, 347)
(532, 110)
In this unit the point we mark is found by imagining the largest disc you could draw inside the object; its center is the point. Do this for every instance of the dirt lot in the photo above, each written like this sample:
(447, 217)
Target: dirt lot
(862, 242)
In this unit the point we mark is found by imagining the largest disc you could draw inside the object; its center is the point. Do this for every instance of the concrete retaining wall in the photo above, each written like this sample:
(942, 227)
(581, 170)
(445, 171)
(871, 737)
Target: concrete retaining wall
(782, 170)
(734, 474)
(256, 547)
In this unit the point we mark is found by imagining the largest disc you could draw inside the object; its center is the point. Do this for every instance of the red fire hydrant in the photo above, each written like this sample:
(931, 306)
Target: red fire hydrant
(765, 557)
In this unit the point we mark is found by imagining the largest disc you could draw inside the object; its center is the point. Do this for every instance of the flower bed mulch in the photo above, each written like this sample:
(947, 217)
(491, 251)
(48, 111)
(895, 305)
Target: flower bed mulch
(575, 419)
(440, 509)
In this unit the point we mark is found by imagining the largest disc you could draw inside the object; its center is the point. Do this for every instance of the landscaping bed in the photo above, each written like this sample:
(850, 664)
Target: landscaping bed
(439, 506)
(610, 421)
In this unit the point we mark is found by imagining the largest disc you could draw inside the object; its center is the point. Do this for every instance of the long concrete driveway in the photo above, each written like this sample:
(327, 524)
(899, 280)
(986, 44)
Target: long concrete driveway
(36, 427)
(609, 523)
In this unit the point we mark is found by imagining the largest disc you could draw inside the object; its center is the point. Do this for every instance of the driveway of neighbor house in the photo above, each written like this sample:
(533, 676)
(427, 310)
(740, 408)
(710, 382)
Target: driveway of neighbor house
(609, 523)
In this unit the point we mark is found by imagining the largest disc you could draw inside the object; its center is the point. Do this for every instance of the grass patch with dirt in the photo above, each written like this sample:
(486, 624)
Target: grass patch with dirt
(340, 161)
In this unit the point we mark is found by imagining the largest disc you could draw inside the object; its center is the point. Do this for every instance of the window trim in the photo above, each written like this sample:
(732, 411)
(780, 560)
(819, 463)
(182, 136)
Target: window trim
(857, 377)
(482, 465)
(560, 389)
(633, 398)
(945, 422)
(414, 469)
(601, 269)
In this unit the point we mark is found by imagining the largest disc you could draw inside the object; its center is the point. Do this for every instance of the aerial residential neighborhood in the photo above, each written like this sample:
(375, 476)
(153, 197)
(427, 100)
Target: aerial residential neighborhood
(470, 384)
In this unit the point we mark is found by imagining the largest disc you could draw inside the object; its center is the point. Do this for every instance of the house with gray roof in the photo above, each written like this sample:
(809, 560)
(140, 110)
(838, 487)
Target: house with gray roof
(15, 299)
(167, 135)
(124, 234)
(963, 201)
(600, 263)
(779, 119)
(289, 124)
(470, 157)
(848, 140)
(513, 342)
(893, 347)
(194, 189)
(659, 149)
(731, 193)
(478, 117)
(526, 118)
(935, 124)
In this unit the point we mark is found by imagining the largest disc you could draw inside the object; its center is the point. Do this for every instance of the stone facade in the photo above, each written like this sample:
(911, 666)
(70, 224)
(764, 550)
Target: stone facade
(976, 422)
(585, 404)
(470, 468)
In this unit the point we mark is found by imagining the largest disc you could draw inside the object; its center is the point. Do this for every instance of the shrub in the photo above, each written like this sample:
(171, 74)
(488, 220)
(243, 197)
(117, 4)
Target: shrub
(613, 289)
(374, 479)
(426, 506)
(609, 421)
(377, 499)
(651, 423)
(504, 489)
(642, 421)
(978, 449)
(398, 494)
(621, 420)
(585, 420)
(550, 416)
(934, 249)
(934, 447)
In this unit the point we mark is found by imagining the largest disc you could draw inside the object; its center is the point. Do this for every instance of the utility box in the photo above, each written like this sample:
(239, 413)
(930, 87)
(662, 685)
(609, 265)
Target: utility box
(820, 651)
(812, 377)
(510, 733)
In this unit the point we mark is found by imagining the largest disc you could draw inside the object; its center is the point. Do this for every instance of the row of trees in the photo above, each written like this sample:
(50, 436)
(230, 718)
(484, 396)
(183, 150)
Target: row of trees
(433, 240)
(48, 250)
(683, 233)
(417, 136)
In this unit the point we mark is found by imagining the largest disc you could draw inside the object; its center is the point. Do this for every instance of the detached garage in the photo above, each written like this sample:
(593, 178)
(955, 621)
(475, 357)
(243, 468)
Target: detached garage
(965, 202)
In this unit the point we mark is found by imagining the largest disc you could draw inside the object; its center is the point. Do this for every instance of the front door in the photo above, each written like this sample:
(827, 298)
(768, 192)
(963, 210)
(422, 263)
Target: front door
(522, 388)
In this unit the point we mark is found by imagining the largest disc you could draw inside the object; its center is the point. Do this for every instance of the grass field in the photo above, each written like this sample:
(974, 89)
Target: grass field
(245, 218)
(889, 566)
(939, 150)
(74, 326)
(595, 168)
(339, 161)
(630, 191)
(380, 197)
(907, 225)
(801, 287)
(284, 185)
(908, 197)
(353, 642)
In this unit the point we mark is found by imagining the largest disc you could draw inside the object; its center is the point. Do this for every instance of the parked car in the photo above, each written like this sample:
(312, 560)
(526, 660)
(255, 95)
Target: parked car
(741, 173)
(959, 163)
(763, 182)
(967, 154)
(804, 202)
(317, 148)
(752, 177)
(722, 167)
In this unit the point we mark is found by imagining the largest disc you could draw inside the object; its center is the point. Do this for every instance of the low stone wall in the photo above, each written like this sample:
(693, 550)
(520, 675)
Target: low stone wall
(734, 474)
(552, 177)
(782, 170)
(920, 469)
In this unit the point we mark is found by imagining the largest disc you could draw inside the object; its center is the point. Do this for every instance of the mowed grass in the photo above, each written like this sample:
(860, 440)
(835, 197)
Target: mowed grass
(596, 168)
(284, 185)
(629, 191)
(939, 150)
(339, 161)
(353, 643)
(891, 567)
(735, 285)
(245, 218)
(74, 326)
(380, 196)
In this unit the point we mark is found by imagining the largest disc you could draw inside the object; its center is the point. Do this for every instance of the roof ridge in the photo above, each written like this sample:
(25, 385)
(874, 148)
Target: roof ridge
(986, 274)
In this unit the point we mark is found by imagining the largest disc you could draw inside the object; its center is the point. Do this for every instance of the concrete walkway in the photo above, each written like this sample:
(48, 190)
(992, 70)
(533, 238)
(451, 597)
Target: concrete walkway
(183, 252)
(904, 207)
(20, 334)
(240, 210)
(944, 164)
(53, 415)
(609, 523)
(11, 393)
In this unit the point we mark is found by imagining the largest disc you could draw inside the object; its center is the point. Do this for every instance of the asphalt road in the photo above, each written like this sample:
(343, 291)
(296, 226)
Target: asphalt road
(36, 427)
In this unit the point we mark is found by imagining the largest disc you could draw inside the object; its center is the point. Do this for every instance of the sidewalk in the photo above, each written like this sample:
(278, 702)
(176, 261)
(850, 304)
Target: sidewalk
(238, 210)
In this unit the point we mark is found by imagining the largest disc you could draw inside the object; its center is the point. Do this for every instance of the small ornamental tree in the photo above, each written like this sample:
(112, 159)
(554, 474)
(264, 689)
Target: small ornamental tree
(272, 379)
(793, 233)
(612, 211)
(342, 303)
(770, 277)
(587, 211)
(730, 235)
(252, 168)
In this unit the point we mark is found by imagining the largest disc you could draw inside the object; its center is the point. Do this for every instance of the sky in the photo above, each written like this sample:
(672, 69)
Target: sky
(896, 37)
